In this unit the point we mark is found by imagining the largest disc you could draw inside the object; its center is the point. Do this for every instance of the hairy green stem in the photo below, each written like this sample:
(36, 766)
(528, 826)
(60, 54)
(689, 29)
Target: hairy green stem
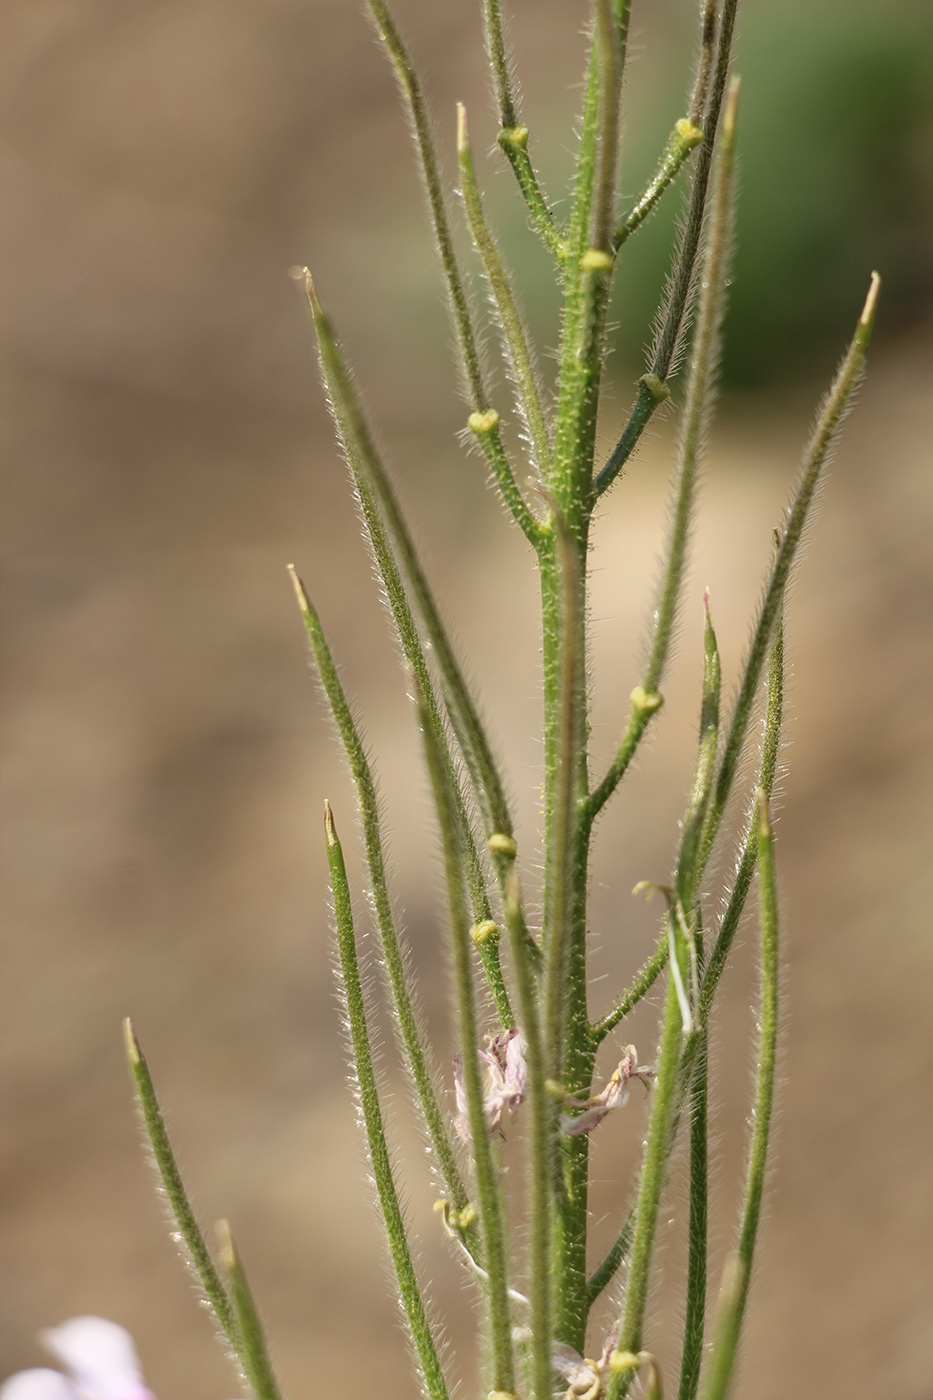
(513, 140)
(695, 1314)
(829, 422)
(497, 52)
(486, 938)
(611, 32)
(494, 1255)
(513, 332)
(486, 428)
(651, 393)
(190, 1235)
(368, 1089)
(686, 885)
(607, 1270)
(709, 24)
(697, 409)
(651, 1185)
(683, 140)
(734, 1294)
(540, 1150)
(421, 126)
(629, 999)
(770, 748)
(384, 523)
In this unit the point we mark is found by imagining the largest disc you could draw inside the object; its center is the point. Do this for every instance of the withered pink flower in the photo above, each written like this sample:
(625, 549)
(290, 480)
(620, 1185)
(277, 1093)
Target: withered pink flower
(504, 1058)
(613, 1095)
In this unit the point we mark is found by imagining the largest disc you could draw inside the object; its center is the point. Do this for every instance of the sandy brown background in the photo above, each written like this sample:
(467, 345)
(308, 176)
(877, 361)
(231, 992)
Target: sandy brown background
(168, 452)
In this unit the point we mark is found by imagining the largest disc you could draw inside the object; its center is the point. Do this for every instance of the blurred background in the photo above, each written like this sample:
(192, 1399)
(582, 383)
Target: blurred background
(166, 756)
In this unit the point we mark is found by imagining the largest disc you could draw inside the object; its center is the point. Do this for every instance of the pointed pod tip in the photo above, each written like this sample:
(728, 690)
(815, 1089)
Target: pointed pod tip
(303, 275)
(304, 602)
(330, 830)
(867, 318)
(710, 644)
(133, 1052)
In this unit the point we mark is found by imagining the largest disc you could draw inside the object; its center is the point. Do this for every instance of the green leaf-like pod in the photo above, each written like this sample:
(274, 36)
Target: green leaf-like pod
(190, 1235)
(368, 1088)
(489, 1203)
(410, 1038)
(254, 1349)
(734, 1291)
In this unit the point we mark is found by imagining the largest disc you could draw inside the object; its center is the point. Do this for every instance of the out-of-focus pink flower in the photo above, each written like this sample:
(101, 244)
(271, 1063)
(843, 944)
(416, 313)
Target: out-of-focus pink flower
(504, 1059)
(612, 1096)
(101, 1361)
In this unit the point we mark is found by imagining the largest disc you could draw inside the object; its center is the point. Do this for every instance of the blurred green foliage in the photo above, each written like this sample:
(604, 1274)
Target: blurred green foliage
(836, 179)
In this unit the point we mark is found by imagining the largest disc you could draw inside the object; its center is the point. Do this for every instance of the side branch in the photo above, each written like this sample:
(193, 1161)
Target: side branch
(516, 341)
(683, 140)
(514, 142)
(685, 262)
(646, 698)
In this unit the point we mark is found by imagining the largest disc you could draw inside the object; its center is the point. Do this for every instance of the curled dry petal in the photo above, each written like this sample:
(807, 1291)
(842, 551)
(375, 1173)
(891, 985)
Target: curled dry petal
(613, 1095)
(584, 1376)
(584, 1381)
(504, 1058)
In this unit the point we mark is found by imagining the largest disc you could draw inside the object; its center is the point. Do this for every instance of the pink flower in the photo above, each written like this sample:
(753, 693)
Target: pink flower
(504, 1059)
(100, 1358)
(612, 1096)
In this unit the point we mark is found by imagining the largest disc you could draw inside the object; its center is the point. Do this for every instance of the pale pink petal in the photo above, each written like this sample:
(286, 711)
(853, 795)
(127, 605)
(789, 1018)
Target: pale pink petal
(463, 1122)
(516, 1070)
(101, 1356)
(567, 1362)
(38, 1384)
(584, 1381)
(612, 1095)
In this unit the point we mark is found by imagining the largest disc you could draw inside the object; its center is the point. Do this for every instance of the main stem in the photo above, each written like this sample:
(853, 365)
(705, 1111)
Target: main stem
(563, 557)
